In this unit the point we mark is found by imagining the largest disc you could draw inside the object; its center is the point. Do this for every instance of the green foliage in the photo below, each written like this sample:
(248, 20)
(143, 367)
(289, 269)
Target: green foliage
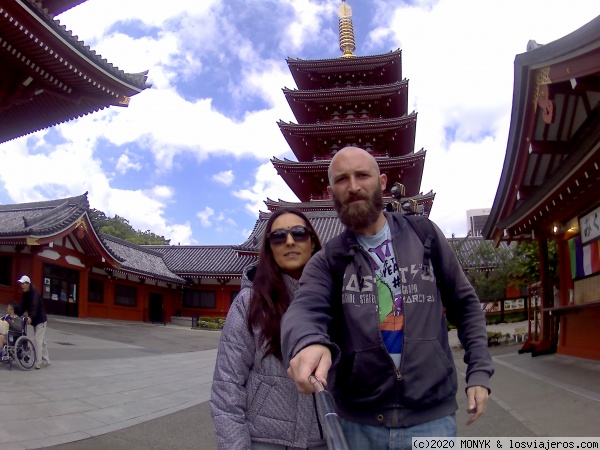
(211, 323)
(487, 267)
(119, 227)
(491, 269)
(526, 268)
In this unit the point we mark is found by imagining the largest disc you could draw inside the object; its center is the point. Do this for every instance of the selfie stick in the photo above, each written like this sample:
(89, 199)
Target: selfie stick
(329, 418)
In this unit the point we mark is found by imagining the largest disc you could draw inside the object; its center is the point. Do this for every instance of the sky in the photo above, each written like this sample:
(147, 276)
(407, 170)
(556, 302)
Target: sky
(189, 158)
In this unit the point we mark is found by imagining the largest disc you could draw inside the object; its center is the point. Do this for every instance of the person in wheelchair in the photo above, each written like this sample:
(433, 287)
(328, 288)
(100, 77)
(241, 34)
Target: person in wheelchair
(9, 321)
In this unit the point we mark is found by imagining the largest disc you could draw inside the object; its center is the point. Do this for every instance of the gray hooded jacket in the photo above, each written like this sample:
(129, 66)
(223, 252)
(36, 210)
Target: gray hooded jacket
(252, 399)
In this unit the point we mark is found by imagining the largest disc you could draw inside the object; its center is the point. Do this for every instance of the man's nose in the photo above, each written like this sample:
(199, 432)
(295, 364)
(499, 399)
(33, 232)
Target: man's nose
(354, 185)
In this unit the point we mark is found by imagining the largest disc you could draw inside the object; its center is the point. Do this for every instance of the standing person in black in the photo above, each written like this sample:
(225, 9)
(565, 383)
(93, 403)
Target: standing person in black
(33, 305)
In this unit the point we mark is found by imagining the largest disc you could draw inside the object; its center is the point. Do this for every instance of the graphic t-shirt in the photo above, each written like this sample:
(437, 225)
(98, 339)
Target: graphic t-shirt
(391, 314)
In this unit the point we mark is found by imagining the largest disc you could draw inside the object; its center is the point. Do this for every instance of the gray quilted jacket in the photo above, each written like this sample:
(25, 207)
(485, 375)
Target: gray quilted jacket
(252, 398)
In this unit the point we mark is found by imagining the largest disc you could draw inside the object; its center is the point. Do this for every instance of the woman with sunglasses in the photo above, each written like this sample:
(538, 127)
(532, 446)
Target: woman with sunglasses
(254, 404)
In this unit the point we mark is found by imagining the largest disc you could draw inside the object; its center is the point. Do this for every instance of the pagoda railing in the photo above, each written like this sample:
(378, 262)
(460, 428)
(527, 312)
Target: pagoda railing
(324, 196)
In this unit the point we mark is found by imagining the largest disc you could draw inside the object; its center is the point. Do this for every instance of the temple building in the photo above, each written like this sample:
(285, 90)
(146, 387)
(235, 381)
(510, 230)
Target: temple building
(550, 187)
(47, 75)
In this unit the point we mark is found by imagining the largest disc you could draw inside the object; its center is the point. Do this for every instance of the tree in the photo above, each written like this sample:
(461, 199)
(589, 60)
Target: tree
(526, 265)
(488, 268)
(119, 227)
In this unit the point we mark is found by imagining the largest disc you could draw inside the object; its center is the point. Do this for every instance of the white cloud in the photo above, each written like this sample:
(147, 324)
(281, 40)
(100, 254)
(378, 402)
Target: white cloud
(457, 54)
(268, 184)
(205, 216)
(124, 164)
(226, 177)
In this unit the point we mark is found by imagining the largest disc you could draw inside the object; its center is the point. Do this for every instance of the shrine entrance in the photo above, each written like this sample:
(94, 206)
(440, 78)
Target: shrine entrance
(60, 290)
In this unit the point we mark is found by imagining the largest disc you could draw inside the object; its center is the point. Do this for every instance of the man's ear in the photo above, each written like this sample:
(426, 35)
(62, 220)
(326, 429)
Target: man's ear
(330, 192)
(383, 181)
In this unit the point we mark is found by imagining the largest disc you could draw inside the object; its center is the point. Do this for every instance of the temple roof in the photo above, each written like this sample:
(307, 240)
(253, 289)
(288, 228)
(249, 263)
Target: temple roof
(551, 163)
(322, 165)
(56, 7)
(41, 219)
(308, 180)
(326, 223)
(308, 74)
(203, 260)
(395, 136)
(316, 105)
(48, 75)
(466, 249)
(140, 260)
(424, 200)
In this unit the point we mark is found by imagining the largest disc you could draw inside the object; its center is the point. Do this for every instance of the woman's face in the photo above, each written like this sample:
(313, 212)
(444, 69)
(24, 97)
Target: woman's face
(291, 256)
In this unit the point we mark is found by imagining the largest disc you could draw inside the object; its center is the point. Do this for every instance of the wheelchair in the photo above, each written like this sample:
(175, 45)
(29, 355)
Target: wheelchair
(19, 348)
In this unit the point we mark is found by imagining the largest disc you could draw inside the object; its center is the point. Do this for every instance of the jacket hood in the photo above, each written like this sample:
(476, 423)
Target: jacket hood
(248, 276)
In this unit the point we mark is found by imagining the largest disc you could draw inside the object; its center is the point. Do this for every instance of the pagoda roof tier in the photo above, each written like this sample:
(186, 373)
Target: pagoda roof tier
(308, 180)
(389, 100)
(56, 7)
(425, 202)
(318, 73)
(309, 142)
(326, 224)
(49, 76)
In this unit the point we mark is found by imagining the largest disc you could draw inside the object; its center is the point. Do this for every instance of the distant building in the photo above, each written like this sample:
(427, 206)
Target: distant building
(476, 219)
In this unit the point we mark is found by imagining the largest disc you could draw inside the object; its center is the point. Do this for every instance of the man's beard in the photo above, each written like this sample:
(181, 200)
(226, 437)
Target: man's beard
(357, 216)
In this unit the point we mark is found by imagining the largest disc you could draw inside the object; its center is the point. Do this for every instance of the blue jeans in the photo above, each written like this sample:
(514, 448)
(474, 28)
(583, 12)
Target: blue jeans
(369, 437)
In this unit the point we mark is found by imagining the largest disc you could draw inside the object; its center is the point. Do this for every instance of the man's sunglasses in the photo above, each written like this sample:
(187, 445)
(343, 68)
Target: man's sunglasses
(299, 234)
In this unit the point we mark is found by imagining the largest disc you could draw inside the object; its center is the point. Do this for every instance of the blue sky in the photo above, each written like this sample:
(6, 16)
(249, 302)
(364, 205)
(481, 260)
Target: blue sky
(190, 158)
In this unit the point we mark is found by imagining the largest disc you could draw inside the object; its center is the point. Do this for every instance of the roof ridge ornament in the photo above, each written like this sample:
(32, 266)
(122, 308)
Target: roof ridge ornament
(347, 43)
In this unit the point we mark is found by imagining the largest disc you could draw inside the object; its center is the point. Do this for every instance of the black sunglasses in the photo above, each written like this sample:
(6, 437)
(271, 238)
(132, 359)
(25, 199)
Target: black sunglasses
(279, 236)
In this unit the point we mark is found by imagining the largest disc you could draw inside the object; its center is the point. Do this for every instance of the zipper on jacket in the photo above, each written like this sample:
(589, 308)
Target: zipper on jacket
(366, 256)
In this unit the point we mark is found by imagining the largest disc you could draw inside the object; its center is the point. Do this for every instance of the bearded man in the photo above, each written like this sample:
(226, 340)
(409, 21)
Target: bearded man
(379, 338)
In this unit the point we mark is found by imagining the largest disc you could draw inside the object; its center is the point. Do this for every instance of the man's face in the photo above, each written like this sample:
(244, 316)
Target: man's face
(356, 188)
(25, 287)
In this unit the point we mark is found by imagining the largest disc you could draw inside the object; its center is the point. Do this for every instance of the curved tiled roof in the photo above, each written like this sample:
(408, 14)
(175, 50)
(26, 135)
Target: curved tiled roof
(140, 260)
(203, 260)
(348, 93)
(137, 81)
(43, 218)
(467, 251)
(326, 223)
(387, 162)
(384, 57)
(391, 124)
(56, 7)
(55, 76)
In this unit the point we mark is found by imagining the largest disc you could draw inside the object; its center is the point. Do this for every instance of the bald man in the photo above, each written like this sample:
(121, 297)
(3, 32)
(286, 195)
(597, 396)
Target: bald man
(378, 337)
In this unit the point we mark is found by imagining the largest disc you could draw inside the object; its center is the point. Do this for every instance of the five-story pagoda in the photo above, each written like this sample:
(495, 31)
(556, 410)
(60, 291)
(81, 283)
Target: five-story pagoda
(352, 100)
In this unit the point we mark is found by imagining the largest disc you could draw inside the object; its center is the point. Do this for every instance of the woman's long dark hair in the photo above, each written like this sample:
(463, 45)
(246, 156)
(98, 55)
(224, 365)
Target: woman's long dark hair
(270, 298)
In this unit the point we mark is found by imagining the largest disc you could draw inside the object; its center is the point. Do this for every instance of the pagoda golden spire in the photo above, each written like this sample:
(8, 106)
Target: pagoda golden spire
(347, 44)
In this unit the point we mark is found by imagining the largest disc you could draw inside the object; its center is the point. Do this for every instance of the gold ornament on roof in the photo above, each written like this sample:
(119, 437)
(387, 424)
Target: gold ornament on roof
(347, 44)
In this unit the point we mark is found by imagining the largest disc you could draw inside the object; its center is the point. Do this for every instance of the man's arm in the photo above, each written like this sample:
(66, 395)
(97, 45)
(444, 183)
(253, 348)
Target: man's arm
(305, 326)
(465, 309)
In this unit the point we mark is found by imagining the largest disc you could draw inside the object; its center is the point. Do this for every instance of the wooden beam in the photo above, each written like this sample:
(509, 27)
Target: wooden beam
(549, 147)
